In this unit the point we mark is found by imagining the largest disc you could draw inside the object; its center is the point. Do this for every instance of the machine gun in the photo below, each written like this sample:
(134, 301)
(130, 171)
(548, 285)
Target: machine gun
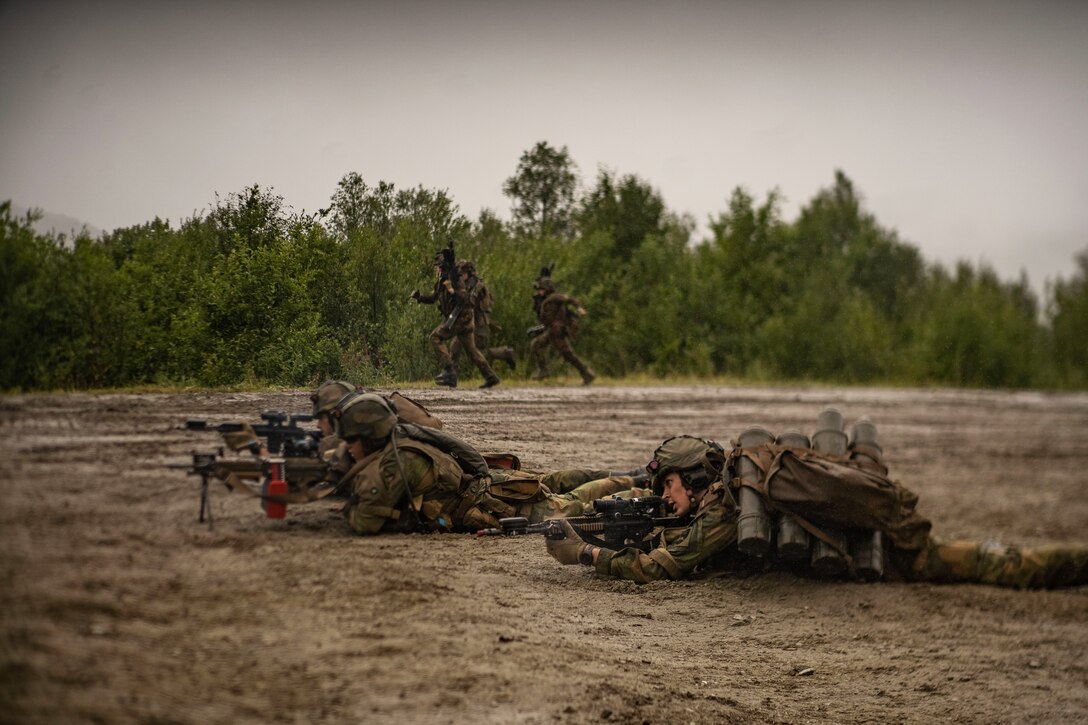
(284, 481)
(281, 430)
(619, 523)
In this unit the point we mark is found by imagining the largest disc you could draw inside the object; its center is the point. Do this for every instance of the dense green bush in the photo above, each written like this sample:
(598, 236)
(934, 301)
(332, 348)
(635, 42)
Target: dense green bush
(253, 293)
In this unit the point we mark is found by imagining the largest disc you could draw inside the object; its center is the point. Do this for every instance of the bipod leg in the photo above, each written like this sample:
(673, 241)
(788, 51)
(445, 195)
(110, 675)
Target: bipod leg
(204, 505)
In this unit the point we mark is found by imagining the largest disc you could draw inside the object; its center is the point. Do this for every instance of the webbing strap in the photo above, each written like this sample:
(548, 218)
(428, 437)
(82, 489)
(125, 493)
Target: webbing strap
(384, 512)
(819, 534)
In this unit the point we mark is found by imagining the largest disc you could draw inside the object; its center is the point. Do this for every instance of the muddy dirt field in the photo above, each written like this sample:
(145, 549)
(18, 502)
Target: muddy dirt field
(117, 606)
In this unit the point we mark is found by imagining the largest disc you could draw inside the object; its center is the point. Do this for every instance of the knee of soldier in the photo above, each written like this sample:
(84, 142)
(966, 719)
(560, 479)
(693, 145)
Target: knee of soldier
(951, 561)
(1025, 568)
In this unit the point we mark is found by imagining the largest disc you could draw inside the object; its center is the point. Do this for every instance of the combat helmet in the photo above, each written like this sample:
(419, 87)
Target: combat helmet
(544, 286)
(466, 266)
(328, 394)
(698, 461)
(367, 416)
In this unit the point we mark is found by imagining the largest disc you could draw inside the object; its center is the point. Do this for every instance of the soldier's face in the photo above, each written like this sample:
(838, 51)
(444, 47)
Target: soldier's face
(676, 495)
(324, 424)
(355, 447)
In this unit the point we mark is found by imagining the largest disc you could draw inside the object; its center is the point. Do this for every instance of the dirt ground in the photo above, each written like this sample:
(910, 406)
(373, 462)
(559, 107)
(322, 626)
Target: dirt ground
(117, 606)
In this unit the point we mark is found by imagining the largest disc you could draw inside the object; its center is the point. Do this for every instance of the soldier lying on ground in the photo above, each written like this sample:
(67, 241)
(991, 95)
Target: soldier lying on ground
(695, 488)
(409, 478)
(324, 400)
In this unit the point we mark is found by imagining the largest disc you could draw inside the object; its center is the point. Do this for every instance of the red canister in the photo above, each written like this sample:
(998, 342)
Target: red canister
(275, 484)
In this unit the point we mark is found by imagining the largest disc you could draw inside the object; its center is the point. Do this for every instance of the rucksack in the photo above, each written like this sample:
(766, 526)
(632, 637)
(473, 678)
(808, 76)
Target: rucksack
(824, 490)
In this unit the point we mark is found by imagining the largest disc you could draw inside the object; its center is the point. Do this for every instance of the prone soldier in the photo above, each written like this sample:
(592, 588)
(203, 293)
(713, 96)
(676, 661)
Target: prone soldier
(424, 460)
(818, 490)
(408, 478)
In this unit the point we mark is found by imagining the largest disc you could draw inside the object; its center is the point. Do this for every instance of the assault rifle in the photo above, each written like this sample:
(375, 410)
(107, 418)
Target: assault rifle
(619, 523)
(285, 437)
(298, 473)
(449, 271)
(449, 261)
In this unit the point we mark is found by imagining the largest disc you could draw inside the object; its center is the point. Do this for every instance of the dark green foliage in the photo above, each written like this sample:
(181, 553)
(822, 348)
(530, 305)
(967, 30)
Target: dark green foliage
(1068, 315)
(542, 192)
(978, 331)
(253, 293)
(627, 209)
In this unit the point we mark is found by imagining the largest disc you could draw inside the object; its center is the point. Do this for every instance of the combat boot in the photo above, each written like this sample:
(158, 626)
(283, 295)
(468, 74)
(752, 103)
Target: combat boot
(588, 376)
(490, 382)
(447, 377)
(640, 475)
(539, 374)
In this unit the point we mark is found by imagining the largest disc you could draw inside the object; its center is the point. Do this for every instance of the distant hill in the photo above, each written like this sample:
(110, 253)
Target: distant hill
(56, 223)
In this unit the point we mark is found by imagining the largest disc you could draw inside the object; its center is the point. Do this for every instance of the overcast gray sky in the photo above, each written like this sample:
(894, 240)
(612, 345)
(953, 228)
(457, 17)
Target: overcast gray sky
(963, 124)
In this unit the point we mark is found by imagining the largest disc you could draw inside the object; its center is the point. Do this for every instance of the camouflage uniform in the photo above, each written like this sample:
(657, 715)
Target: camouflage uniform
(448, 499)
(559, 314)
(482, 302)
(568, 492)
(989, 562)
(712, 529)
(450, 296)
(332, 449)
(711, 536)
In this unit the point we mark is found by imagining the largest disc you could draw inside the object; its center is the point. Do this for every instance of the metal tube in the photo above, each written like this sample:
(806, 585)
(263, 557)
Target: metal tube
(753, 523)
(867, 547)
(792, 541)
(829, 438)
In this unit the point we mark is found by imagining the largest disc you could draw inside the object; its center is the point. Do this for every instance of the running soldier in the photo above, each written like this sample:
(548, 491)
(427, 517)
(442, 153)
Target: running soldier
(558, 316)
(458, 321)
(482, 302)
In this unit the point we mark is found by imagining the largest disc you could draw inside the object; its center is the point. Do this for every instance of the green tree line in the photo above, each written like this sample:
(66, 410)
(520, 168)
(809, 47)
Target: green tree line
(253, 293)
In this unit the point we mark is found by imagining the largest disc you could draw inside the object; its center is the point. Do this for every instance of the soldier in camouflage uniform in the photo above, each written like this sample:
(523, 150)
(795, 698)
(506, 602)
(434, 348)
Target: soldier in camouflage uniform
(699, 495)
(694, 494)
(558, 315)
(989, 562)
(331, 448)
(324, 400)
(482, 302)
(458, 321)
(407, 478)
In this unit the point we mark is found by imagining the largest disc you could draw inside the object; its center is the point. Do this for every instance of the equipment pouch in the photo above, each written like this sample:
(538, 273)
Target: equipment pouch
(518, 491)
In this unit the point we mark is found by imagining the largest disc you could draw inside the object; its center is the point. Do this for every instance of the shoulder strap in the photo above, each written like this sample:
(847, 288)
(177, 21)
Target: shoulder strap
(467, 457)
